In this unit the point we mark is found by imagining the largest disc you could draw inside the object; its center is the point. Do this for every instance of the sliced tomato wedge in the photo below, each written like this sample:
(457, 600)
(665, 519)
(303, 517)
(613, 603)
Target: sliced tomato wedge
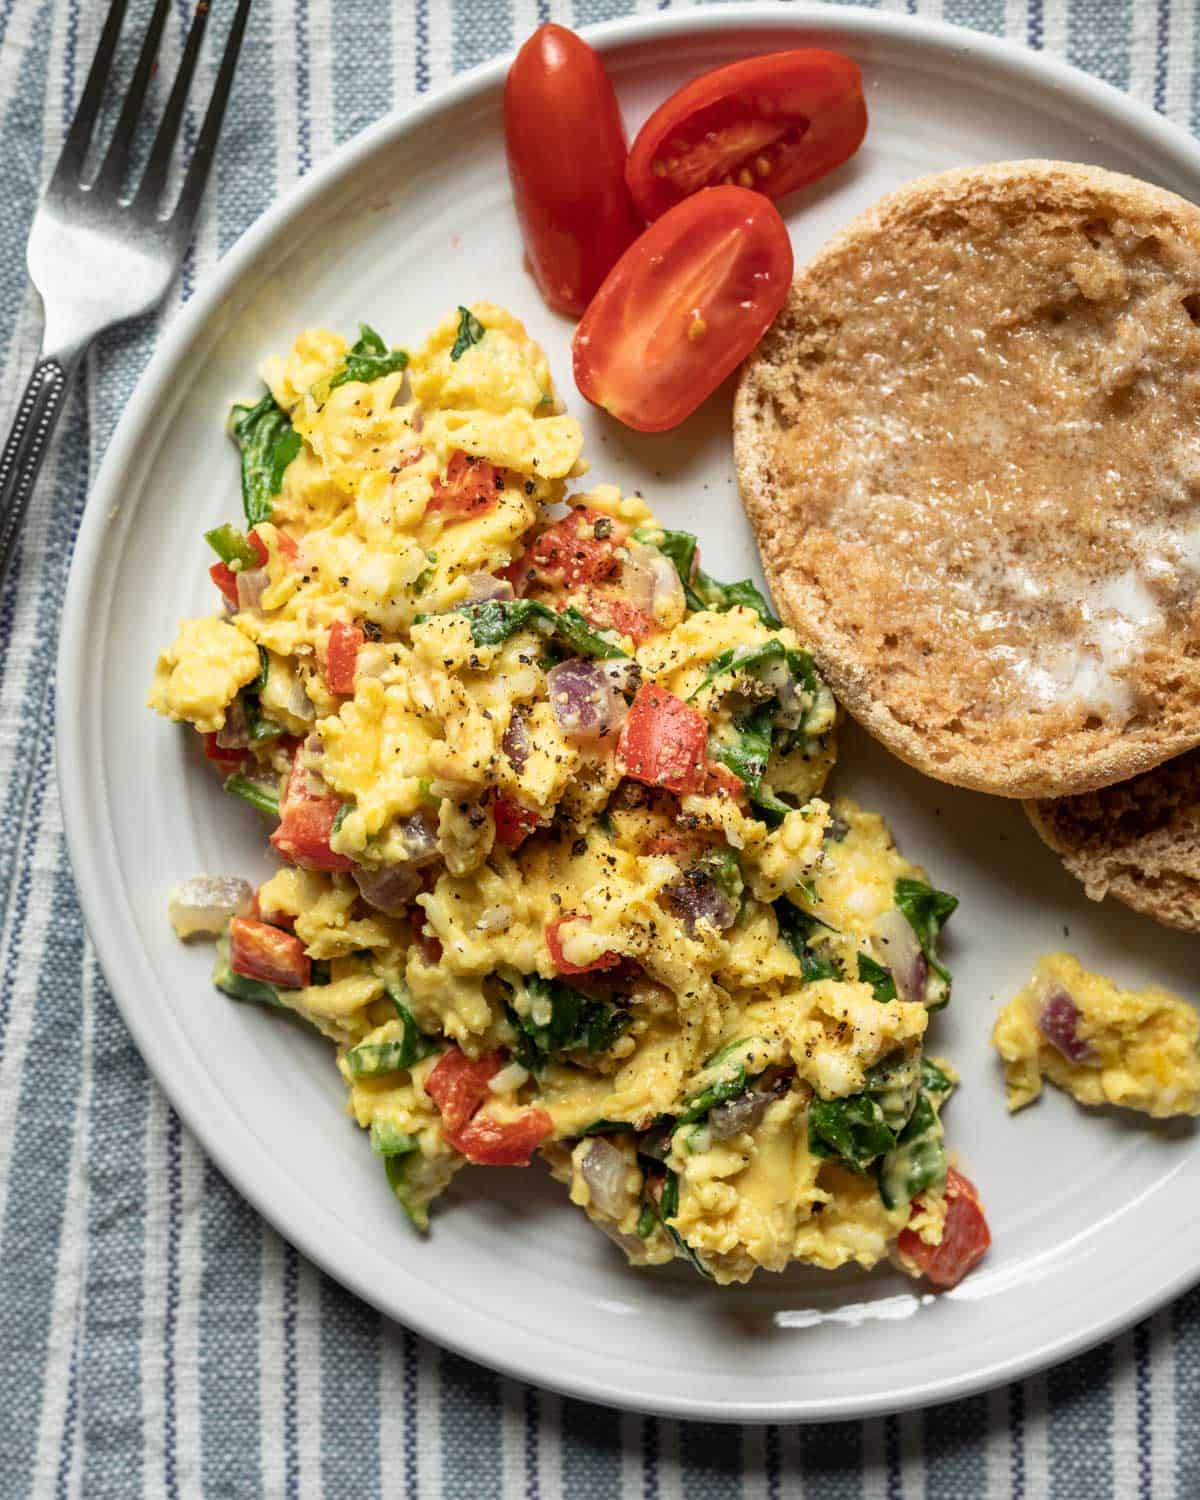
(682, 308)
(566, 158)
(458, 1085)
(502, 1143)
(260, 951)
(470, 487)
(341, 661)
(514, 823)
(226, 760)
(663, 741)
(965, 1236)
(579, 549)
(607, 960)
(611, 612)
(718, 780)
(305, 825)
(770, 123)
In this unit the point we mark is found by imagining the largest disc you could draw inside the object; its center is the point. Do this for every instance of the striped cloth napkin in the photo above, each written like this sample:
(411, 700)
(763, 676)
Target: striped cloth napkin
(156, 1338)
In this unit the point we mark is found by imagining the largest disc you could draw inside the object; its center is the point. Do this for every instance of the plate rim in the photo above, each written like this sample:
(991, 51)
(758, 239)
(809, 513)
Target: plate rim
(96, 898)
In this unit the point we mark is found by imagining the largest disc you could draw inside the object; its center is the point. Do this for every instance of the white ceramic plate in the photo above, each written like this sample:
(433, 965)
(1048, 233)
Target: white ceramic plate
(1095, 1217)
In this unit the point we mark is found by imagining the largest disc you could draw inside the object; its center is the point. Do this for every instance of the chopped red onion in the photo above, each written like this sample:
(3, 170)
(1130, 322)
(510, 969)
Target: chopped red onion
(656, 1143)
(697, 899)
(299, 704)
(515, 743)
(897, 949)
(584, 701)
(747, 1110)
(419, 835)
(483, 586)
(389, 889)
(251, 586)
(668, 590)
(1058, 1020)
(637, 574)
(605, 1170)
(649, 580)
(206, 902)
(234, 734)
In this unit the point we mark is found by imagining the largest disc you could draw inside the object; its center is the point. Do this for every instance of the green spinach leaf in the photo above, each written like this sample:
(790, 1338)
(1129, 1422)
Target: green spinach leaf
(368, 359)
(883, 986)
(918, 1160)
(668, 1208)
(470, 331)
(700, 590)
(927, 912)
(799, 929)
(495, 620)
(853, 1130)
(268, 443)
(578, 1023)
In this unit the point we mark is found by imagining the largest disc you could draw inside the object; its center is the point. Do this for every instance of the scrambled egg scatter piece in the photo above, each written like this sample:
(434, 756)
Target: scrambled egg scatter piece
(200, 675)
(1103, 1045)
(557, 871)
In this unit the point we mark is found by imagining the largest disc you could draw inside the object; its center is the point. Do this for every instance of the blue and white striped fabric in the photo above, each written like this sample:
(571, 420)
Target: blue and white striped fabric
(156, 1338)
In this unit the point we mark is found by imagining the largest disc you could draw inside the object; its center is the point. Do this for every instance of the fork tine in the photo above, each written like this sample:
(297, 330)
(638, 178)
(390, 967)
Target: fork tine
(206, 147)
(155, 175)
(115, 161)
(75, 147)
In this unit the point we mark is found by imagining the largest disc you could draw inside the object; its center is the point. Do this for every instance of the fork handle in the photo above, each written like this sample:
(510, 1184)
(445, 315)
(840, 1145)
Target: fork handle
(27, 443)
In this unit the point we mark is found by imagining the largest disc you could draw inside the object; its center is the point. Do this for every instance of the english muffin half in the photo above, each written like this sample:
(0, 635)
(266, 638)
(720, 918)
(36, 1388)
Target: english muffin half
(970, 449)
(1138, 841)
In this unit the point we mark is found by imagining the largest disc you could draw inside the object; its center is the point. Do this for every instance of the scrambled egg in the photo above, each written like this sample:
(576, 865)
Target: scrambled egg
(558, 871)
(1103, 1045)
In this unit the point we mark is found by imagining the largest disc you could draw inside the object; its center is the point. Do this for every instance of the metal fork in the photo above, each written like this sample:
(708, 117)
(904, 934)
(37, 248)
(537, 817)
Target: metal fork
(98, 259)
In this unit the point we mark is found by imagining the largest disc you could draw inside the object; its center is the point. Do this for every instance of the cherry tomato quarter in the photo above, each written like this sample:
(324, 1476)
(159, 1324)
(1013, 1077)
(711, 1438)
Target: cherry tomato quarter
(682, 308)
(771, 123)
(566, 158)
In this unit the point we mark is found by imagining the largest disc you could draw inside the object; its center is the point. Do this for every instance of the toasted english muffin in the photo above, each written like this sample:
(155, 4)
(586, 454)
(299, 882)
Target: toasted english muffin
(970, 449)
(1138, 841)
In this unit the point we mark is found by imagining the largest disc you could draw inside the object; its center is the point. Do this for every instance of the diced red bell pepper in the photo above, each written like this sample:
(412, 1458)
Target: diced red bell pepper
(305, 825)
(260, 951)
(342, 658)
(470, 487)
(226, 580)
(563, 965)
(458, 1085)
(965, 1236)
(514, 823)
(226, 760)
(663, 741)
(502, 1143)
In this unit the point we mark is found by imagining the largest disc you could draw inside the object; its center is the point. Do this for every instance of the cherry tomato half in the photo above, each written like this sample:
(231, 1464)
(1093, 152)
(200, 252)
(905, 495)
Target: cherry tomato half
(772, 123)
(566, 158)
(683, 307)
